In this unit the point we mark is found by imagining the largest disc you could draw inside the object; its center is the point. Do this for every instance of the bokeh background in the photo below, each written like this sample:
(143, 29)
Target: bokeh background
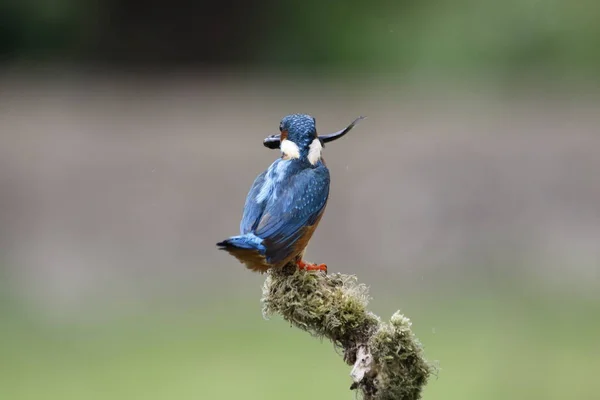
(469, 199)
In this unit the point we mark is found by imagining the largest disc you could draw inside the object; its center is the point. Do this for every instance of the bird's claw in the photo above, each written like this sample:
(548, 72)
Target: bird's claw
(310, 266)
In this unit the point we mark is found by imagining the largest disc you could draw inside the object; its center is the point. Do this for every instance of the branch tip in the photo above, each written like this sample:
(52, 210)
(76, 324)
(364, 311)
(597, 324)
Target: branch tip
(387, 359)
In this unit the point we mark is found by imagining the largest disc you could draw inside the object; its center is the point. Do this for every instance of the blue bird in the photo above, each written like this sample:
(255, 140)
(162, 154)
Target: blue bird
(286, 202)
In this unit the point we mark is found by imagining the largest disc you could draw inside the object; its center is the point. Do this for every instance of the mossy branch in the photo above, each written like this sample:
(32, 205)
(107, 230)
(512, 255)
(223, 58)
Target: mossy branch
(387, 359)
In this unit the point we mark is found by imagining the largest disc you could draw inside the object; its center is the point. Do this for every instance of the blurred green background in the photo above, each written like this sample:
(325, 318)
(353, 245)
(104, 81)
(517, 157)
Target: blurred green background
(411, 40)
(469, 199)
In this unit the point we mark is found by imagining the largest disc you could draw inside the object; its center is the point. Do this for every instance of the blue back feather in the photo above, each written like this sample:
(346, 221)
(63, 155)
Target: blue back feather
(287, 197)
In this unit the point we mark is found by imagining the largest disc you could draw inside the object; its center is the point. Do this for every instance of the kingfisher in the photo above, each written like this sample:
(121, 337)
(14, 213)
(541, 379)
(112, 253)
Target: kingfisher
(286, 202)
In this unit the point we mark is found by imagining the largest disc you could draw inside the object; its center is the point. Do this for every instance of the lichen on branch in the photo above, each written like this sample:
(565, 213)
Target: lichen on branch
(388, 361)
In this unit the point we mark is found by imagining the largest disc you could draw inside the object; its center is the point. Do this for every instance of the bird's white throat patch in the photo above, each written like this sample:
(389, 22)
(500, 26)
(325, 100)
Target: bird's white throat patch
(314, 151)
(289, 149)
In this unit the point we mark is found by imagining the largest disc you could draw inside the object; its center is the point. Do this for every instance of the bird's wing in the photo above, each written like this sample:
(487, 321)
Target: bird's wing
(253, 209)
(295, 207)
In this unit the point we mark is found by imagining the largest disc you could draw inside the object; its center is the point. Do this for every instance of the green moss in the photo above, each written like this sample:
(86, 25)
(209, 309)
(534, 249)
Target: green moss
(334, 306)
(402, 369)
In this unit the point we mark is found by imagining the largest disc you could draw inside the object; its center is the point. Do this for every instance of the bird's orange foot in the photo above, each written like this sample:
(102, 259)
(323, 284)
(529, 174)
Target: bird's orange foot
(311, 267)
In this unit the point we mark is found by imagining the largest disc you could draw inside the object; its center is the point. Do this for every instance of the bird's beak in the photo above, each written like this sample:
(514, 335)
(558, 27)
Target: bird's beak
(274, 141)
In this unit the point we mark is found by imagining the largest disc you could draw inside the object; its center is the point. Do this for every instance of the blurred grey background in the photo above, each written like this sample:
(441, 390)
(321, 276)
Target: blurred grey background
(114, 183)
(469, 198)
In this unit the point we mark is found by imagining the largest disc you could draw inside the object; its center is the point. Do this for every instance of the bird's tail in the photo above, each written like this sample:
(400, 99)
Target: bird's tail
(248, 249)
(248, 241)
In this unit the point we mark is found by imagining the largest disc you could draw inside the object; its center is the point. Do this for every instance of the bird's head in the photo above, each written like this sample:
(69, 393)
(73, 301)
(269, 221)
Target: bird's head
(298, 137)
(297, 133)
